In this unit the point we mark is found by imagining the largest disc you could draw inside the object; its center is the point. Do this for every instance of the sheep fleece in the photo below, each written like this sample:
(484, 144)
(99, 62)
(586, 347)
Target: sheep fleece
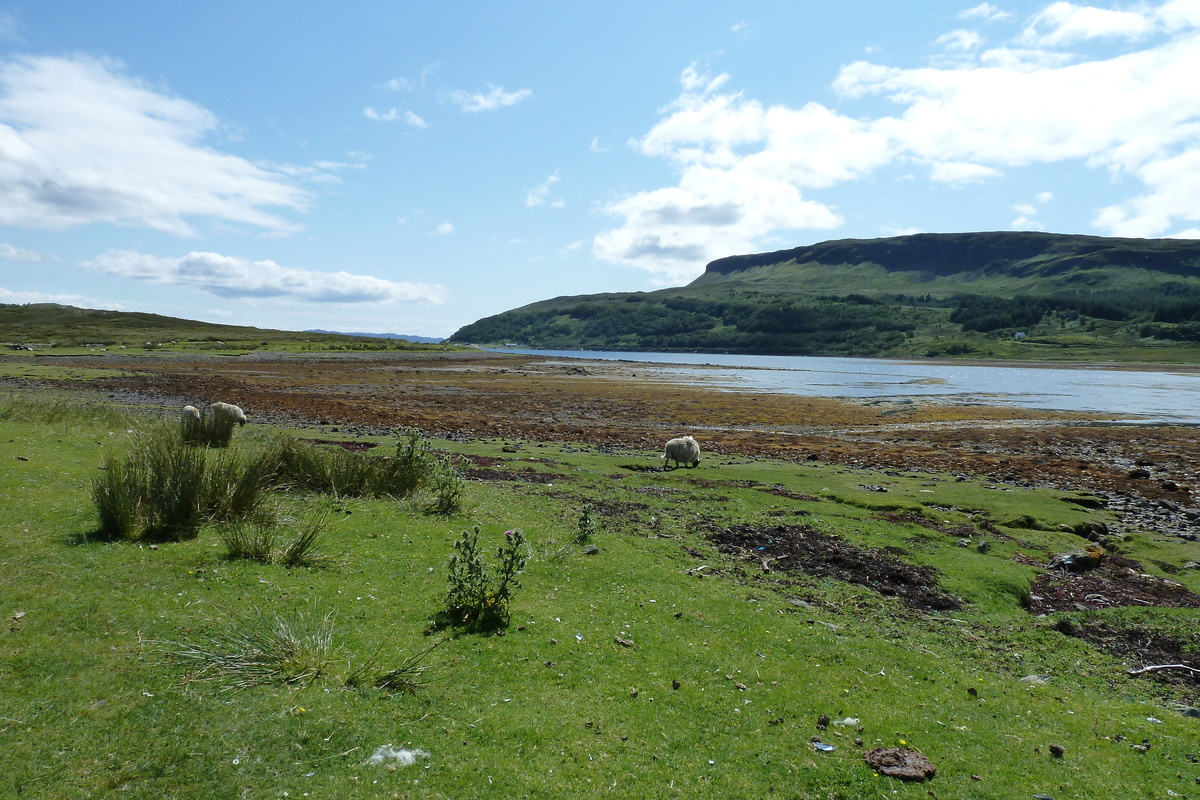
(683, 450)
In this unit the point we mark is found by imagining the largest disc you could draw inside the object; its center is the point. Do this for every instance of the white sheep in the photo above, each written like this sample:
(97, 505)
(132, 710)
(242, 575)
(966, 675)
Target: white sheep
(226, 414)
(219, 419)
(191, 423)
(683, 450)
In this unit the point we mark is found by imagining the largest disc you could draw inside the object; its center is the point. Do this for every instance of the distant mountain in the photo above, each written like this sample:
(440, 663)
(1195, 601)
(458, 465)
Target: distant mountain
(999, 294)
(405, 337)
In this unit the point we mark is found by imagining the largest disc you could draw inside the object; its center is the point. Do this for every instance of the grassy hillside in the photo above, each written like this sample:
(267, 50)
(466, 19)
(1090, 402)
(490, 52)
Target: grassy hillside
(42, 325)
(990, 295)
(687, 656)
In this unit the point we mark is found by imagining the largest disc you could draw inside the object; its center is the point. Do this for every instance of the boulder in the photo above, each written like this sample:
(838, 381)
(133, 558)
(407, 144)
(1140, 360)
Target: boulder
(1078, 560)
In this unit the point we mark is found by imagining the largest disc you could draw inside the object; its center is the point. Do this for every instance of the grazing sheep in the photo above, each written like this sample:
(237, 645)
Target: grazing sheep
(219, 419)
(191, 424)
(683, 450)
(227, 410)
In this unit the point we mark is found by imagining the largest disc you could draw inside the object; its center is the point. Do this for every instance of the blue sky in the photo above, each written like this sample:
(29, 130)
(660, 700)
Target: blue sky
(412, 167)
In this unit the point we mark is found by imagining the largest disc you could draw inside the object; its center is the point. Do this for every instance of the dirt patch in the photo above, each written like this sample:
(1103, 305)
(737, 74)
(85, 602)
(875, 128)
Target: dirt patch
(1117, 581)
(800, 548)
(617, 508)
(779, 491)
(711, 484)
(956, 531)
(658, 491)
(353, 447)
(1140, 647)
(528, 475)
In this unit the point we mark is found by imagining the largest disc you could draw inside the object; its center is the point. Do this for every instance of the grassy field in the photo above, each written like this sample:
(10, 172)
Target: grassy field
(657, 666)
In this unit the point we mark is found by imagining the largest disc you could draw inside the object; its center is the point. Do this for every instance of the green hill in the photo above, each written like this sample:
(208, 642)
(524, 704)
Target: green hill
(997, 295)
(42, 325)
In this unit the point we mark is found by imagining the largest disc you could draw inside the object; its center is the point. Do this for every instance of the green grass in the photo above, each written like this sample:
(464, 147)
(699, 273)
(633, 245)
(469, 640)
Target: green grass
(556, 707)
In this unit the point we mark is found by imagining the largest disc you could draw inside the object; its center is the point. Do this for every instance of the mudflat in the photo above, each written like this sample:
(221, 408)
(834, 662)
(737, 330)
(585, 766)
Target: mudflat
(637, 405)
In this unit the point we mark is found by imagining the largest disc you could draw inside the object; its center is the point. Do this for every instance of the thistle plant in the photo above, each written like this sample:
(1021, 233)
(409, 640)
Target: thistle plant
(478, 598)
(587, 526)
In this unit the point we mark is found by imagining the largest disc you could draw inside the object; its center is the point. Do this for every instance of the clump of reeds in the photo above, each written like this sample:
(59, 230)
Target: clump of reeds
(408, 676)
(342, 473)
(162, 488)
(253, 648)
(257, 540)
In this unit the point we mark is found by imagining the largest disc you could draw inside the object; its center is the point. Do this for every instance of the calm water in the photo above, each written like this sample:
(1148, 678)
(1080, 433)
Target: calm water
(1151, 396)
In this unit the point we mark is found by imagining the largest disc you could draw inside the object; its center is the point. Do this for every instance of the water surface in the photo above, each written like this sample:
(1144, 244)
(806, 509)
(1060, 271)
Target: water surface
(1157, 396)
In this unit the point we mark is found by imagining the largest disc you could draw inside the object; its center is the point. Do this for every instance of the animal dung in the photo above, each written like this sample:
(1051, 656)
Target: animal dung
(900, 762)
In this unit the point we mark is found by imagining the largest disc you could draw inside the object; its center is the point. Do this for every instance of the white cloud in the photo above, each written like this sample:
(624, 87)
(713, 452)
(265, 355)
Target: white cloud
(1177, 14)
(743, 171)
(83, 143)
(444, 229)
(1025, 224)
(78, 300)
(960, 40)
(370, 112)
(495, 98)
(10, 252)
(1174, 192)
(412, 84)
(595, 146)
(984, 11)
(239, 278)
(746, 172)
(961, 172)
(540, 195)
(400, 84)
(897, 230)
(1065, 23)
(394, 114)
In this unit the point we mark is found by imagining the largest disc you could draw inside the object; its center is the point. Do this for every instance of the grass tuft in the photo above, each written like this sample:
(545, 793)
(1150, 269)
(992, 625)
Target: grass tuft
(254, 648)
(409, 676)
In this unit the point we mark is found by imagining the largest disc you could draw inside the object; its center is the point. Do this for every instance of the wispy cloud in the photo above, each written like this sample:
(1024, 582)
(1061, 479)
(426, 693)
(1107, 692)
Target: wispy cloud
(10, 252)
(1066, 23)
(18, 298)
(393, 114)
(984, 11)
(412, 84)
(239, 278)
(143, 161)
(495, 98)
(749, 171)
(10, 28)
(960, 40)
(539, 195)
